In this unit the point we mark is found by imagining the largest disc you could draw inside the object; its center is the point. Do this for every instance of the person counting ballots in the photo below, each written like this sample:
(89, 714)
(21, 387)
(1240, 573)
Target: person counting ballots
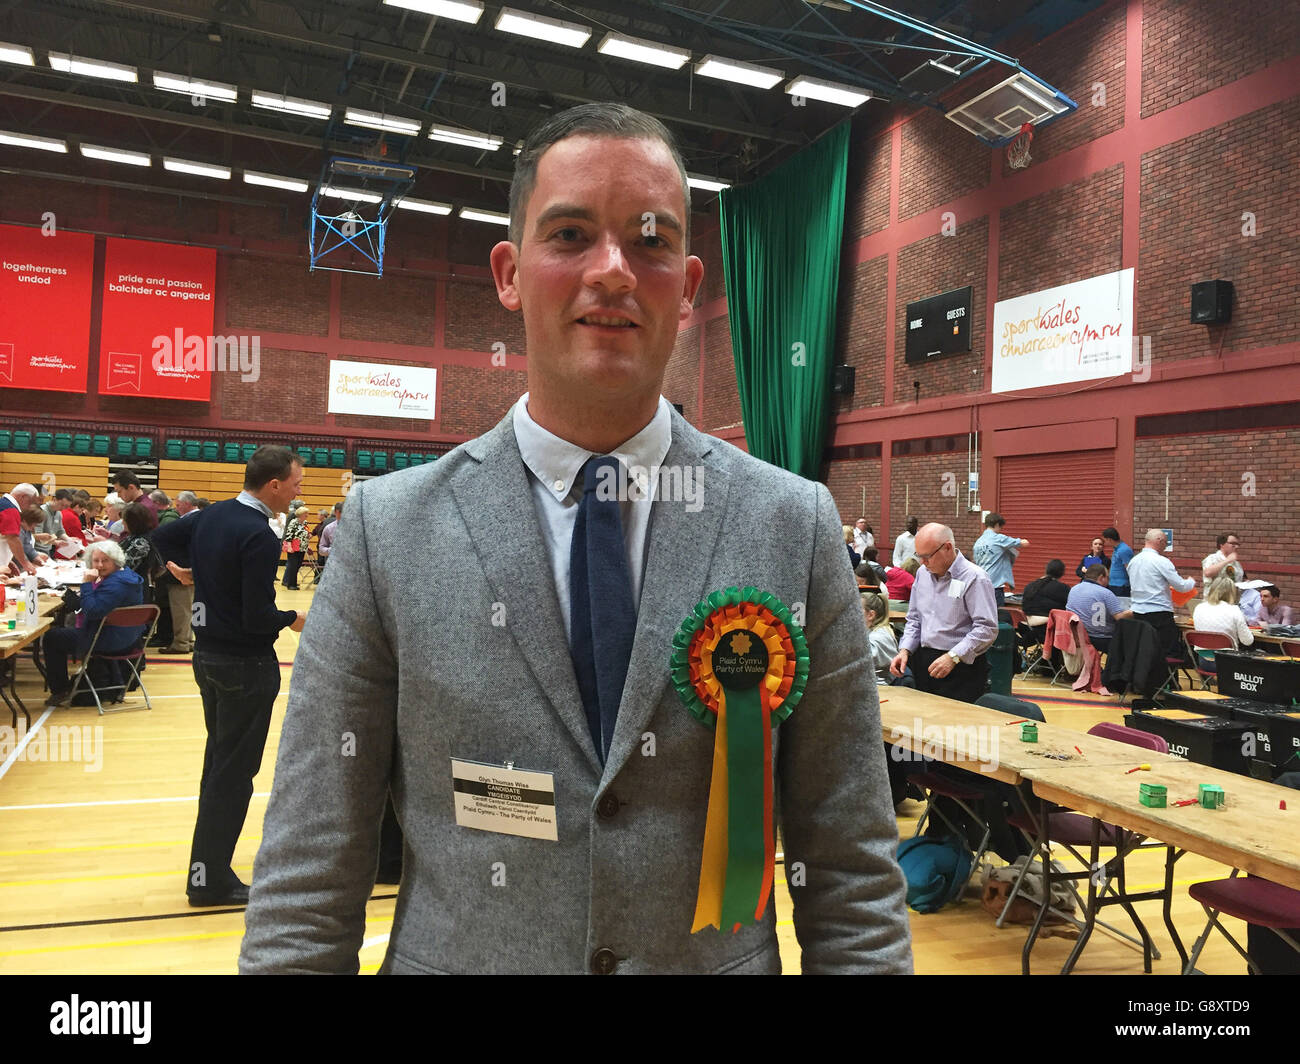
(537, 664)
(952, 620)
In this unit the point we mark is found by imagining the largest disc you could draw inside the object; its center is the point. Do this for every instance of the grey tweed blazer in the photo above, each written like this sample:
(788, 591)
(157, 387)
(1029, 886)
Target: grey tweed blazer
(401, 654)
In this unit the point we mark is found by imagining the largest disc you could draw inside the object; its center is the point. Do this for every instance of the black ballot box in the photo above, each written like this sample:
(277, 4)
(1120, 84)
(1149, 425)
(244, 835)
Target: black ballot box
(1196, 735)
(1262, 677)
(1270, 733)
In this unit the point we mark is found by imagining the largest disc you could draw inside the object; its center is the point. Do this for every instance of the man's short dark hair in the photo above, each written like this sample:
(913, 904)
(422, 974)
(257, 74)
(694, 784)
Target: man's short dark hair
(269, 462)
(994, 520)
(1223, 538)
(138, 519)
(338, 507)
(126, 480)
(1273, 590)
(1111, 533)
(1094, 572)
(64, 494)
(870, 553)
(590, 120)
(1055, 569)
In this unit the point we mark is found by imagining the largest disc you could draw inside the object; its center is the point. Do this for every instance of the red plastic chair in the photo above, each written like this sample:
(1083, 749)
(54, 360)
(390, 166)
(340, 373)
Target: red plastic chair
(1256, 901)
(1206, 641)
(1291, 648)
(122, 617)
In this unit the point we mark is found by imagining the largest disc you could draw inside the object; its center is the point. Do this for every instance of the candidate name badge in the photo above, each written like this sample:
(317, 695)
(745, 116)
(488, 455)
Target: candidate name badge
(504, 799)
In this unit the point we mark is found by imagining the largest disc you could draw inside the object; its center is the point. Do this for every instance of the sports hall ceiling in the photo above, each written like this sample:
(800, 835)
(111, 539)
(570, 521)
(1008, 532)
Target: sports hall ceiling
(402, 63)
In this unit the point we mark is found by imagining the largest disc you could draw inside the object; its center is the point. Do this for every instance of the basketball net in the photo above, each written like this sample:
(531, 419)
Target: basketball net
(1018, 149)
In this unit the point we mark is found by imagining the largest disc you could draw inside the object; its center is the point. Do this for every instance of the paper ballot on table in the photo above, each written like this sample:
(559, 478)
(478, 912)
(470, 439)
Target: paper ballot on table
(69, 550)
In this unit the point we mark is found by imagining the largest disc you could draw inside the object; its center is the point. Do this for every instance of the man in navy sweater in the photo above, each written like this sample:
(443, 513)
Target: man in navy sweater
(234, 554)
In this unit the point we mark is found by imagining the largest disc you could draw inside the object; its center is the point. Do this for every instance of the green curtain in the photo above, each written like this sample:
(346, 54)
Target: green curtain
(781, 240)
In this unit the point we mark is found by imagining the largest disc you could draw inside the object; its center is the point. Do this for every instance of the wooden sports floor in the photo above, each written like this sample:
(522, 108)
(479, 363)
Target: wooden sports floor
(93, 854)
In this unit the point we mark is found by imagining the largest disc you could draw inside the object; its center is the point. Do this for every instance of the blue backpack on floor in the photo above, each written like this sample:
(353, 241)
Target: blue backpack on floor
(936, 869)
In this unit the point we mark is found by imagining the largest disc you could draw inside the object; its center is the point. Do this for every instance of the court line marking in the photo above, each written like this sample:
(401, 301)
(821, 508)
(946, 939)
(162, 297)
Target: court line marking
(161, 916)
(113, 801)
(113, 846)
(22, 745)
(103, 879)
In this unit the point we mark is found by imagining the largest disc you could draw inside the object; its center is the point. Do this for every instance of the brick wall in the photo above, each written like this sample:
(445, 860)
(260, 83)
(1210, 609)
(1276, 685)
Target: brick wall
(721, 398)
(846, 481)
(1194, 194)
(917, 484)
(938, 264)
(866, 198)
(940, 161)
(1210, 493)
(274, 296)
(706, 242)
(291, 389)
(476, 319)
(473, 399)
(394, 309)
(860, 331)
(1065, 235)
(1192, 46)
(682, 376)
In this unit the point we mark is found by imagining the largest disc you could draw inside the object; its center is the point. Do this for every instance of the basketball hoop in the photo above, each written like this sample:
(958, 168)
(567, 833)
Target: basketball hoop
(1018, 149)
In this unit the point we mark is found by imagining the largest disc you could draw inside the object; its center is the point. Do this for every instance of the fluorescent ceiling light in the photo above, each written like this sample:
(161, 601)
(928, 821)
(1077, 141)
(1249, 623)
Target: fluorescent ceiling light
(289, 184)
(384, 123)
(539, 27)
(92, 68)
(828, 91)
(353, 194)
(639, 51)
(706, 184)
(291, 105)
(216, 90)
(24, 140)
(16, 53)
(424, 206)
(475, 215)
(115, 155)
(184, 166)
(466, 138)
(946, 69)
(461, 10)
(1042, 101)
(711, 66)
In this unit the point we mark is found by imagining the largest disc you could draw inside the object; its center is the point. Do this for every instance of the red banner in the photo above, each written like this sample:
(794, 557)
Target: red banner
(45, 285)
(156, 336)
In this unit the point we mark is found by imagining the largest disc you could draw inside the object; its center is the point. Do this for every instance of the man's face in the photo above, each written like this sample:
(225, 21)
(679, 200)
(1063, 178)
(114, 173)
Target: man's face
(861, 525)
(1230, 545)
(129, 492)
(282, 492)
(1267, 598)
(183, 506)
(24, 499)
(1111, 543)
(935, 553)
(912, 526)
(601, 273)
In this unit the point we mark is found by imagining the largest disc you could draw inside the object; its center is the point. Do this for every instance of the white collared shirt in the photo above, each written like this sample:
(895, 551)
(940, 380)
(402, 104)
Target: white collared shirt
(555, 463)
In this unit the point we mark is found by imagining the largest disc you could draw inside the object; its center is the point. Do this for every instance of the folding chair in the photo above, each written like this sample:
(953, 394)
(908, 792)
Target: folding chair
(311, 565)
(1256, 901)
(1206, 641)
(1074, 830)
(122, 617)
(936, 784)
(1291, 648)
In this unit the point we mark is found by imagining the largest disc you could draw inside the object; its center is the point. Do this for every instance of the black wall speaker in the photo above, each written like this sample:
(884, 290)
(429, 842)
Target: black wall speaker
(1211, 302)
(679, 408)
(842, 381)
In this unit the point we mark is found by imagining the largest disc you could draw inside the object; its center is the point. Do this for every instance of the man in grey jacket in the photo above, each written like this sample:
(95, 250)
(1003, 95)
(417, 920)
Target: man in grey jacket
(445, 672)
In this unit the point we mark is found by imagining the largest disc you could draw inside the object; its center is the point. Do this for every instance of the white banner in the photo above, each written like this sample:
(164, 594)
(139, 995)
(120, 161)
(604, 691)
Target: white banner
(1076, 332)
(382, 391)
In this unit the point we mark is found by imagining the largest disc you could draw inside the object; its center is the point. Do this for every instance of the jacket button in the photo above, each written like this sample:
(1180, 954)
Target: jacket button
(603, 962)
(607, 807)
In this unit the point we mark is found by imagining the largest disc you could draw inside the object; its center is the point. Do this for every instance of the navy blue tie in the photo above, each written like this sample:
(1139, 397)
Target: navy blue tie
(602, 614)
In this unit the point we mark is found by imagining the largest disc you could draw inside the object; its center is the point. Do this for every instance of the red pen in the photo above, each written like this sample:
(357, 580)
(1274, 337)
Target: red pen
(1011, 722)
(1189, 801)
(1080, 751)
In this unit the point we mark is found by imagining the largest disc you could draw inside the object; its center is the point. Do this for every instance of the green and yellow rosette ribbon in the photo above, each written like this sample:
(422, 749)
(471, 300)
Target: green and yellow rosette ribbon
(740, 664)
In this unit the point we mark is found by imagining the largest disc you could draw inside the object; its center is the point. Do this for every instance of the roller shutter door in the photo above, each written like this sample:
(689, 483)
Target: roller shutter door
(1058, 502)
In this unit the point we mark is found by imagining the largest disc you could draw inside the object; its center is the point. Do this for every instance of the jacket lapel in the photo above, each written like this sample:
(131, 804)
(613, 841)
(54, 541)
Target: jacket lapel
(494, 498)
(682, 546)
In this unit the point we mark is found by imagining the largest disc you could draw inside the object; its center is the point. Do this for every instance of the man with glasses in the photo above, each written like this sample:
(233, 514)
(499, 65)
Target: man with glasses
(952, 619)
(1225, 557)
